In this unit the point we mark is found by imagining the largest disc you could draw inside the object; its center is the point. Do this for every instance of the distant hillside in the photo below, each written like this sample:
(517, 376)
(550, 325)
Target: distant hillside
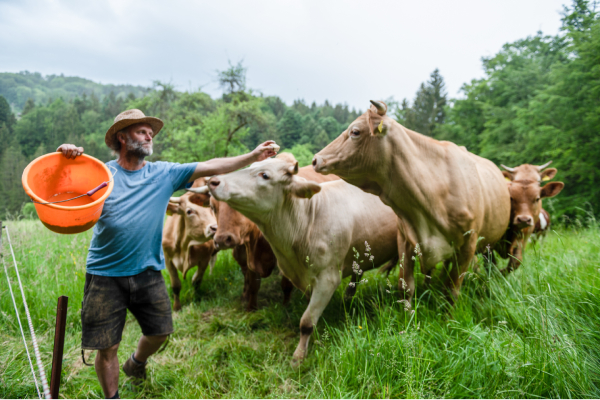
(19, 87)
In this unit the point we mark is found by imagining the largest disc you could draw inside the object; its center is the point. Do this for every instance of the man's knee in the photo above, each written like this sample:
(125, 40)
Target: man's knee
(158, 339)
(109, 352)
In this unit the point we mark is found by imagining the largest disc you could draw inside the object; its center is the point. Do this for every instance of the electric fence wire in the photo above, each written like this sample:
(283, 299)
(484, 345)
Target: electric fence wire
(34, 342)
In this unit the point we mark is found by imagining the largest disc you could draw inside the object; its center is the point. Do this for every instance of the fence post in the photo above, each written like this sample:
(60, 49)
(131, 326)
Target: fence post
(59, 345)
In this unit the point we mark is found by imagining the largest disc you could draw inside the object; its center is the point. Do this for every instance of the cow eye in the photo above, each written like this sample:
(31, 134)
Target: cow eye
(354, 133)
(264, 175)
(189, 212)
(538, 199)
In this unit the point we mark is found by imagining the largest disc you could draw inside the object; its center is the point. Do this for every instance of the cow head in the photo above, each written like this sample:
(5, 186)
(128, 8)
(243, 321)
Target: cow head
(526, 201)
(232, 226)
(262, 187)
(358, 151)
(200, 223)
(528, 172)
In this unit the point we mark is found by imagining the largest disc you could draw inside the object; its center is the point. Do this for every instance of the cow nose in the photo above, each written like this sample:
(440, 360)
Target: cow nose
(213, 228)
(214, 182)
(317, 163)
(524, 220)
(225, 241)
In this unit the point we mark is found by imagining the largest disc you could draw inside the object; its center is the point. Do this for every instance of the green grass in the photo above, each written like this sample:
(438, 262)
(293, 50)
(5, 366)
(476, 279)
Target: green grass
(535, 334)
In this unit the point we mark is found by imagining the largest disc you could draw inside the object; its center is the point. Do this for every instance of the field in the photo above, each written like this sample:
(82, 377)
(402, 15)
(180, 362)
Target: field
(534, 334)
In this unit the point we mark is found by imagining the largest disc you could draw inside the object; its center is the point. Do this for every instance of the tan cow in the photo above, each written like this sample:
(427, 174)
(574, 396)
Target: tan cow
(526, 196)
(187, 240)
(446, 197)
(250, 249)
(312, 235)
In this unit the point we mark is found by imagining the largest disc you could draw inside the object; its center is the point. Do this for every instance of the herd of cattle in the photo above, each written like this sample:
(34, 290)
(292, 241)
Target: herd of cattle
(380, 188)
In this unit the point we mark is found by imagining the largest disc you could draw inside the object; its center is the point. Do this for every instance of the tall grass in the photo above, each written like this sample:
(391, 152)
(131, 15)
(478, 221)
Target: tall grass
(533, 334)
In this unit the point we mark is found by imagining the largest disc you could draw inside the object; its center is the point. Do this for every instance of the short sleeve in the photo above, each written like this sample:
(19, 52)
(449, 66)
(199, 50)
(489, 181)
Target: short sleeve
(180, 174)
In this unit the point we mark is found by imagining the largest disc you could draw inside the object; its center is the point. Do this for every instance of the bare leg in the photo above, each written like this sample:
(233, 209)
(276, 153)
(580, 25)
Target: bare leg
(147, 346)
(321, 294)
(107, 369)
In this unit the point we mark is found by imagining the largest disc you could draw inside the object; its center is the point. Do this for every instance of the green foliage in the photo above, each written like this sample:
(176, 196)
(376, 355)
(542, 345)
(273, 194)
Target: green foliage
(303, 154)
(17, 88)
(428, 109)
(534, 334)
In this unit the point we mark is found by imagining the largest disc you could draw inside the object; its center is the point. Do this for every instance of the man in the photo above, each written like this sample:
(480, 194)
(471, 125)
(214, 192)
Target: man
(125, 255)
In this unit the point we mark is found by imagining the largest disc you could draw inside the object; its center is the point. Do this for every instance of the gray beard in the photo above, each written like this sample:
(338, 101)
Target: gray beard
(136, 149)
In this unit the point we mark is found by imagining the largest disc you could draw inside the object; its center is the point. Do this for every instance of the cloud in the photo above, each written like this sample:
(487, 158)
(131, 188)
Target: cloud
(343, 51)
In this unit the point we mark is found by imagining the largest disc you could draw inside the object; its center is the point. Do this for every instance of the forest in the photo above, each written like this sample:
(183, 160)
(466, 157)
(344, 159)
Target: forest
(538, 100)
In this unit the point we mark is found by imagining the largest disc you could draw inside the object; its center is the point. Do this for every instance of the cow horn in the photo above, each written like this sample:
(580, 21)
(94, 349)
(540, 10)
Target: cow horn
(380, 106)
(176, 200)
(509, 169)
(541, 167)
(199, 190)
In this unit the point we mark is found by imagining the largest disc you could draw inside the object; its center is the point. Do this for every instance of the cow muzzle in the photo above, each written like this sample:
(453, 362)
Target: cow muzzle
(226, 240)
(319, 164)
(523, 221)
(211, 230)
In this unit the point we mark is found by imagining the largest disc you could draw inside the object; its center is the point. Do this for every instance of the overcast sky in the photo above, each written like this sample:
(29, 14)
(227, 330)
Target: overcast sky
(344, 51)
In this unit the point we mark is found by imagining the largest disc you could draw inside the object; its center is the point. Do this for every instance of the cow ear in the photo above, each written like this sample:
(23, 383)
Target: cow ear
(305, 189)
(173, 206)
(377, 127)
(202, 200)
(548, 174)
(293, 169)
(507, 175)
(551, 189)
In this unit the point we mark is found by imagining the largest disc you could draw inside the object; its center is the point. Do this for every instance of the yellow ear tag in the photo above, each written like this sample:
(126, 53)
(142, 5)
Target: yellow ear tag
(380, 127)
(507, 178)
(546, 178)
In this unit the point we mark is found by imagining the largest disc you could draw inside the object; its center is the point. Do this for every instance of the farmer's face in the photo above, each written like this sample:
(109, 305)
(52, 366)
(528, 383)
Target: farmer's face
(138, 141)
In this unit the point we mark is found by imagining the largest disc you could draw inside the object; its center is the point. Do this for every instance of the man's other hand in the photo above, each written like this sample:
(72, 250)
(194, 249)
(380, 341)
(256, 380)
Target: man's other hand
(264, 151)
(70, 150)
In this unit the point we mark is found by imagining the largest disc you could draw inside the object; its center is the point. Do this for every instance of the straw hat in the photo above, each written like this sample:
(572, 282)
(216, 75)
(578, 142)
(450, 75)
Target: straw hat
(128, 118)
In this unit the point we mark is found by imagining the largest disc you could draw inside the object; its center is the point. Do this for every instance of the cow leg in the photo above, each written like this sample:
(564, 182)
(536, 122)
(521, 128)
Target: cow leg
(351, 289)
(239, 254)
(323, 289)
(175, 282)
(287, 286)
(252, 282)
(456, 273)
(406, 278)
(515, 257)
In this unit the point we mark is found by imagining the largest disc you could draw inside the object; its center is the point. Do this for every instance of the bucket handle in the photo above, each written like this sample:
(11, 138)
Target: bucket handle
(91, 192)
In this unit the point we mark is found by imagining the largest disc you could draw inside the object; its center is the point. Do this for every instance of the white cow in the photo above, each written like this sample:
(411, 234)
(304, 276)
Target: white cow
(312, 237)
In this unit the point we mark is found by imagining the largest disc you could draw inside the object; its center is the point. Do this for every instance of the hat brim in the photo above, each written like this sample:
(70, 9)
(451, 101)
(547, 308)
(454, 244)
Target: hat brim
(111, 135)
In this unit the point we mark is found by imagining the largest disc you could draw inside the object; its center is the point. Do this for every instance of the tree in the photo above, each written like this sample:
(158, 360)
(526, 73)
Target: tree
(428, 109)
(233, 79)
(290, 128)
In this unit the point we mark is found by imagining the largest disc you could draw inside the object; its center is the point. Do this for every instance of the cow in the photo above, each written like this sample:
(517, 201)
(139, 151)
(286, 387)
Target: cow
(448, 200)
(250, 249)
(526, 196)
(187, 240)
(312, 228)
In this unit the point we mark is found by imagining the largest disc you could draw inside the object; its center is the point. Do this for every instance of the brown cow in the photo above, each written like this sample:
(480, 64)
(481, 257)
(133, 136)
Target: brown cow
(187, 239)
(446, 197)
(526, 196)
(250, 249)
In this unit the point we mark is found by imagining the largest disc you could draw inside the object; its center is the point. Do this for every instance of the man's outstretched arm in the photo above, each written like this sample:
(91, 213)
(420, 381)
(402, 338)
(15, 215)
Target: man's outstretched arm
(218, 166)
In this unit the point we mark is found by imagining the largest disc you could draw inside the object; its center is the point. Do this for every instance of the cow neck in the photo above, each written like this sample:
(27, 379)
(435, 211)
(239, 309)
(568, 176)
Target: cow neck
(293, 215)
(406, 179)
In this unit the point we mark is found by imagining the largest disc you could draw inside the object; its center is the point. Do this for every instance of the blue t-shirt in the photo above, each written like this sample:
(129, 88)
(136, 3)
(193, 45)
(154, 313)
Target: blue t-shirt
(128, 236)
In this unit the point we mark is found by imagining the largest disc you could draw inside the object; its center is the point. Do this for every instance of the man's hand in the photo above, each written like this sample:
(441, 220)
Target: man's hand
(264, 151)
(70, 150)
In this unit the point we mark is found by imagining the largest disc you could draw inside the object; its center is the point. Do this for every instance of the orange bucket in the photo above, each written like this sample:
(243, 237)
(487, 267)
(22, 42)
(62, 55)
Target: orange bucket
(53, 178)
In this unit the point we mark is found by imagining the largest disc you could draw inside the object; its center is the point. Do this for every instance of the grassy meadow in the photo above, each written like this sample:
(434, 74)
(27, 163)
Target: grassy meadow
(533, 334)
